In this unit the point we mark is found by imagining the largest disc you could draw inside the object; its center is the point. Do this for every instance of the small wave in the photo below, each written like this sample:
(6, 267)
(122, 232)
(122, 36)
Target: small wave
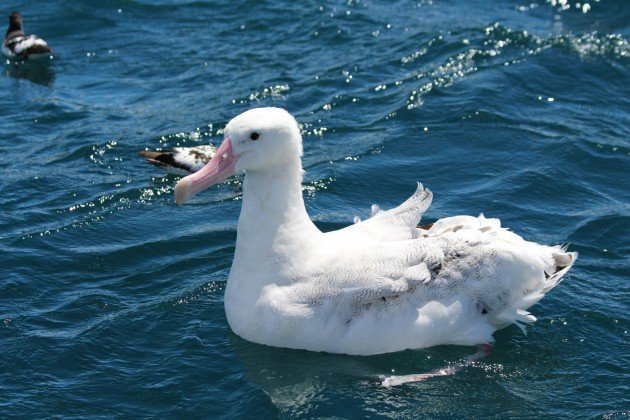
(501, 46)
(613, 46)
(273, 92)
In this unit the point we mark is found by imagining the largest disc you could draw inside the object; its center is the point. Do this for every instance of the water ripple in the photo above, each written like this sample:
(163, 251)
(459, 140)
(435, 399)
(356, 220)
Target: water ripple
(113, 296)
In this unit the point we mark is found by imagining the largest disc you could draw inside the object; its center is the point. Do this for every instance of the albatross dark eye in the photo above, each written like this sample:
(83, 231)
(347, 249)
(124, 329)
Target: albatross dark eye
(254, 136)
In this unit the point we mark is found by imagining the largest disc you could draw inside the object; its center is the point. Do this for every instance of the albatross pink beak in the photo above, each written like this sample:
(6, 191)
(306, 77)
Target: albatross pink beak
(218, 169)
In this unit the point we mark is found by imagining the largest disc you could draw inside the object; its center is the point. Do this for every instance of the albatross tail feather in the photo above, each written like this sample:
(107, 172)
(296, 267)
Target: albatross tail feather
(561, 262)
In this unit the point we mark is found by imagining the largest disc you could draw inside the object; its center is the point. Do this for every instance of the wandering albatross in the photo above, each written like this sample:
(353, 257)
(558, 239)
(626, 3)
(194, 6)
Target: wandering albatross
(380, 285)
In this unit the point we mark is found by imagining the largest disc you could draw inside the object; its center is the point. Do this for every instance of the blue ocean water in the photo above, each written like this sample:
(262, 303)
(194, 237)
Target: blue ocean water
(111, 296)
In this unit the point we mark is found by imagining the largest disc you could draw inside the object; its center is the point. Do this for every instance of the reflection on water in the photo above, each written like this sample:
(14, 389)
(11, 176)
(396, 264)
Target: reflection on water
(38, 71)
(296, 381)
(302, 382)
(517, 111)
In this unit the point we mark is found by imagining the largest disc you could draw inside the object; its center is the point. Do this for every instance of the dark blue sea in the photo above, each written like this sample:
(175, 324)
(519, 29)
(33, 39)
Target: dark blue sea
(111, 295)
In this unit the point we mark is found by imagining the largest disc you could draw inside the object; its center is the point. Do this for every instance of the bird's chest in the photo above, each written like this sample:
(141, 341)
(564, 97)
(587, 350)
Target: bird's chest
(266, 315)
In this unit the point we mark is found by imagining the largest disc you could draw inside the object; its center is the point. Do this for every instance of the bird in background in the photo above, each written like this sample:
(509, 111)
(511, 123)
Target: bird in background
(180, 160)
(17, 45)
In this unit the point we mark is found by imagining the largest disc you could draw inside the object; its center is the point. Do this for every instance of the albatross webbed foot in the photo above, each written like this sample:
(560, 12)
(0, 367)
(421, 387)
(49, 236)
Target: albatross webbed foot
(483, 350)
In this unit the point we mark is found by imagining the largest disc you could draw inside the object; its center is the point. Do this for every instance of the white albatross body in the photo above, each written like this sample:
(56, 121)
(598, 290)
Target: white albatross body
(378, 286)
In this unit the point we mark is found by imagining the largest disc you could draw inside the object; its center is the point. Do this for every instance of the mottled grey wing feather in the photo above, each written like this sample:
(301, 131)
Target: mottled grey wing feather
(180, 160)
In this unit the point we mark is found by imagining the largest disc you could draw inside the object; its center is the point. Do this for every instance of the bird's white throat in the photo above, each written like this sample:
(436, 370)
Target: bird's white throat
(273, 224)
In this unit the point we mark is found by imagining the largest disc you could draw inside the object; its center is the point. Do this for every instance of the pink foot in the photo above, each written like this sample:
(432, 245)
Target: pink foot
(483, 350)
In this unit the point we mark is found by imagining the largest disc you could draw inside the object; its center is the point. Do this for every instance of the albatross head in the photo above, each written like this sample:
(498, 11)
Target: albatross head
(260, 139)
(15, 22)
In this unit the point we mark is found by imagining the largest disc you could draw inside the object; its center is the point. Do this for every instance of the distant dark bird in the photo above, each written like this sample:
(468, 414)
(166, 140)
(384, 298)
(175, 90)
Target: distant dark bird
(180, 160)
(18, 45)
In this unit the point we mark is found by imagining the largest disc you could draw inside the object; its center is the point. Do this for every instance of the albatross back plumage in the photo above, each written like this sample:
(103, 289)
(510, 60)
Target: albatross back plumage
(180, 160)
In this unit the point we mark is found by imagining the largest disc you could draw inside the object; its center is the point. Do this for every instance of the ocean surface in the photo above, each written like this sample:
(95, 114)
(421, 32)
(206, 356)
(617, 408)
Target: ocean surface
(111, 295)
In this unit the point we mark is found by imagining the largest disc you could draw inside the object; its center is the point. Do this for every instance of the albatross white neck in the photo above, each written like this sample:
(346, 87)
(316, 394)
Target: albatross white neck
(273, 209)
